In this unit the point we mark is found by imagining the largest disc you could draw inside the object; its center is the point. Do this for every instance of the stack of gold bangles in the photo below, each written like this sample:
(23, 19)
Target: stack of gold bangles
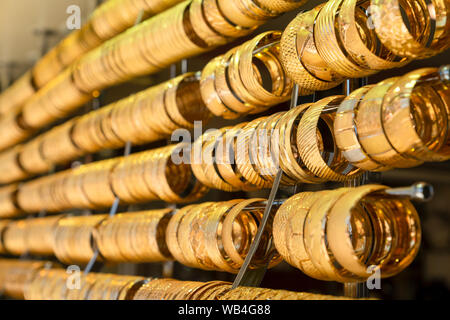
(108, 20)
(145, 176)
(336, 235)
(170, 289)
(57, 284)
(218, 235)
(15, 96)
(33, 236)
(134, 237)
(299, 141)
(72, 238)
(350, 38)
(232, 84)
(398, 123)
(329, 235)
(148, 47)
(8, 204)
(15, 275)
(35, 281)
(145, 117)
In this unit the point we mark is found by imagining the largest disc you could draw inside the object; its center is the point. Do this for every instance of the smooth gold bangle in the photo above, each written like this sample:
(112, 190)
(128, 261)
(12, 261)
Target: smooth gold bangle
(347, 135)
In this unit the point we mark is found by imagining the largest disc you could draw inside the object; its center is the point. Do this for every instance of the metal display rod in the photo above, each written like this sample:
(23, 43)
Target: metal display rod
(253, 277)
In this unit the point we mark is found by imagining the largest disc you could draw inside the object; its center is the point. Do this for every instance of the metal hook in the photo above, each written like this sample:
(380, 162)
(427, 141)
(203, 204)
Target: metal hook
(420, 191)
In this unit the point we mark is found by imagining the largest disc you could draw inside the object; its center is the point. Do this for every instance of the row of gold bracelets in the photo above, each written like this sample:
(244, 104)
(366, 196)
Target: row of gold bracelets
(351, 39)
(400, 122)
(345, 234)
(69, 238)
(190, 28)
(72, 238)
(247, 79)
(218, 235)
(145, 176)
(146, 48)
(33, 236)
(170, 289)
(15, 275)
(249, 155)
(134, 237)
(212, 236)
(57, 284)
(39, 283)
(34, 280)
(108, 20)
(144, 117)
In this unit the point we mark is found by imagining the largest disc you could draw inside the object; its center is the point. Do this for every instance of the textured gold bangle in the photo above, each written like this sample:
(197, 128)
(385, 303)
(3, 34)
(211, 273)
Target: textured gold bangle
(214, 240)
(280, 5)
(298, 52)
(309, 149)
(287, 150)
(239, 13)
(364, 51)
(393, 32)
(221, 24)
(242, 155)
(172, 233)
(327, 41)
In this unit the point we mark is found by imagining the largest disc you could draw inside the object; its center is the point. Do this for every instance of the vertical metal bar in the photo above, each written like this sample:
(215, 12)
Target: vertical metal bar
(253, 277)
(246, 276)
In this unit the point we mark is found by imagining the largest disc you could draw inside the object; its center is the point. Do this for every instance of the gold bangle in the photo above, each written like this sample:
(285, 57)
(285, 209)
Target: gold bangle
(408, 103)
(371, 135)
(347, 135)
(327, 42)
(364, 52)
(314, 234)
(300, 58)
(221, 24)
(209, 92)
(311, 154)
(337, 230)
(287, 147)
(413, 44)
(225, 158)
(242, 155)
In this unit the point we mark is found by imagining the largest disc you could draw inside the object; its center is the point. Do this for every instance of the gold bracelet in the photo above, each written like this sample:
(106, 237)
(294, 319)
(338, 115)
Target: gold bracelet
(394, 34)
(347, 135)
(300, 58)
